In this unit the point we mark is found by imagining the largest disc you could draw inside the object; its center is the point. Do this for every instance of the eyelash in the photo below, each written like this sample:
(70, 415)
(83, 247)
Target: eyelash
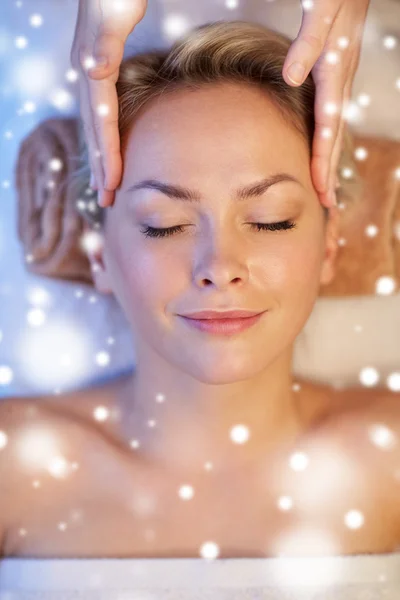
(167, 232)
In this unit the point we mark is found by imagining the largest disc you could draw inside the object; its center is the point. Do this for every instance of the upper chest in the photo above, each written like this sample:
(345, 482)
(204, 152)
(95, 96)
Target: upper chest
(325, 490)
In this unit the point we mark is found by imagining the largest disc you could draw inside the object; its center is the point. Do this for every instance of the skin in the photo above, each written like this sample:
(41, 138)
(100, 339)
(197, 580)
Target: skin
(213, 383)
(101, 31)
(117, 505)
(324, 24)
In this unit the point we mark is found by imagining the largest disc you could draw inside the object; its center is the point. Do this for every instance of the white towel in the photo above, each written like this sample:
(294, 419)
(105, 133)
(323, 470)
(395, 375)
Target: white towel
(355, 577)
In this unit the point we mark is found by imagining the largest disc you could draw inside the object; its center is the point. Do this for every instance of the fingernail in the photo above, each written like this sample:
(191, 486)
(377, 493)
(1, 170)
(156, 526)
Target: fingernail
(296, 72)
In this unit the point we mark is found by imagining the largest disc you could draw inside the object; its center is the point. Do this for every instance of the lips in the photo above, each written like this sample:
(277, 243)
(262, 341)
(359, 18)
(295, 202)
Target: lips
(224, 327)
(233, 314)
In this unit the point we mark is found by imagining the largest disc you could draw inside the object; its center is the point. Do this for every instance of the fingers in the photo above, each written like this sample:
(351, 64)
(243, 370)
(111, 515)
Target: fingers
(307, 50)
(80, 20)
(328, 116)
(327, 27)
(123, 16)
(101, 31)
(109, 52)
(117, 22)
(334, 81)
(90, 132)
(104, 103)
(104, 106)
(92, 182)
(307, 47)
(338, 146)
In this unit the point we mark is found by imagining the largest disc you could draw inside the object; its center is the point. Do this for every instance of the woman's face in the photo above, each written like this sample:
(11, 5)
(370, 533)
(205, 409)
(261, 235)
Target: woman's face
(214, 141)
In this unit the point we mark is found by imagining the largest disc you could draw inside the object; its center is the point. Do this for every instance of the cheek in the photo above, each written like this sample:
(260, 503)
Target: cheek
(293, 268)
(146, 278)
(292, 282)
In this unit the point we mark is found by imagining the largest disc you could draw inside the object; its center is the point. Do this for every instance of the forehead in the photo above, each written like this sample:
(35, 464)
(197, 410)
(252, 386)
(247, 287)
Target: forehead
(227, 126)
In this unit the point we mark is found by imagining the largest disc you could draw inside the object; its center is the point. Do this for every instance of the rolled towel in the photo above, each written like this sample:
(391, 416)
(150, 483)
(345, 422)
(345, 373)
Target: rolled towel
(50, 224)
(369, 224)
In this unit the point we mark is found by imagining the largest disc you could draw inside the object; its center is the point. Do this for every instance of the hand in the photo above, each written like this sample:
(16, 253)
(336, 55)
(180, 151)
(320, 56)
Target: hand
(327, 26)
(101, 30)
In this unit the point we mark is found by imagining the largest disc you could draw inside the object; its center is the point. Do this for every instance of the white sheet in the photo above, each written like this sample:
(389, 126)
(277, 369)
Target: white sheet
(357, 577)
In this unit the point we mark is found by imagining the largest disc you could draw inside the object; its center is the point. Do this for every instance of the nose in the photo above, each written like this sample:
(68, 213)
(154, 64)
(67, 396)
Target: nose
(221, 271)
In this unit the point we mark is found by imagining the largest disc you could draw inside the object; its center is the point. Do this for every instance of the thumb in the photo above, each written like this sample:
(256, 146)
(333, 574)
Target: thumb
(306, 49)
(108, 54)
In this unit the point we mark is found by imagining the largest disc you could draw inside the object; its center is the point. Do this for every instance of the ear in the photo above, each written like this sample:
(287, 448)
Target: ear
(328, 270)
(94, 249)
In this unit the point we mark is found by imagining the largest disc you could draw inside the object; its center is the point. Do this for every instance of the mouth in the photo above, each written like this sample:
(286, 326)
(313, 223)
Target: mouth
(213, 314)
(224, 326)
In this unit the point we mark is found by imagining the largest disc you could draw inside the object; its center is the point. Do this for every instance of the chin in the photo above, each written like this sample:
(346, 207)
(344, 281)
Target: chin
(218, 373)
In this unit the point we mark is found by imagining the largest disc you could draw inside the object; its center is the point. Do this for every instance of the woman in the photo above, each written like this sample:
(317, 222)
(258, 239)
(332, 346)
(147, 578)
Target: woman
(216, 211)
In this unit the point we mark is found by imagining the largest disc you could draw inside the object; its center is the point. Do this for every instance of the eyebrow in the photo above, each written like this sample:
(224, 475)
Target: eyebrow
(187, 195)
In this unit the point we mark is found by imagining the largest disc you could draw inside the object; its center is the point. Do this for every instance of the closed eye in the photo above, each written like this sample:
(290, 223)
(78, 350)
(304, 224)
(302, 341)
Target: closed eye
(159, 233)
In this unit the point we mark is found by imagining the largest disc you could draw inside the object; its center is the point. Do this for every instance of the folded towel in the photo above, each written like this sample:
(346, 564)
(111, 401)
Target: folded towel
(49, 224)
(369, 224)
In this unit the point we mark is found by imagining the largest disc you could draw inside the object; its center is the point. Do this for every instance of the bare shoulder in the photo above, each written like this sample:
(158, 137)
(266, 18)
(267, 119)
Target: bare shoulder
(20, 419)
(347, 411)
(30, 434)
(39, 438)
(365, 420)
(372, 430)
(364, 414)
(362, 422)
(23, 426)
(353, 452)
(70, 417)
(364, 430)
(80, 405)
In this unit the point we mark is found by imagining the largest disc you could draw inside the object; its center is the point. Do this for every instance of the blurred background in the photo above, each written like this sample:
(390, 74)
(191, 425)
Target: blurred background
(54, 334)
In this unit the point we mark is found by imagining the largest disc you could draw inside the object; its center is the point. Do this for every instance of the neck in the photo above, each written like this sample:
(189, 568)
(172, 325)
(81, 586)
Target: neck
(187, 426)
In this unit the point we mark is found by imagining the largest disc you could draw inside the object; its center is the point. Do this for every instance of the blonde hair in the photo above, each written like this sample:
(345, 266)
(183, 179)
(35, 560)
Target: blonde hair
(221, 51)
